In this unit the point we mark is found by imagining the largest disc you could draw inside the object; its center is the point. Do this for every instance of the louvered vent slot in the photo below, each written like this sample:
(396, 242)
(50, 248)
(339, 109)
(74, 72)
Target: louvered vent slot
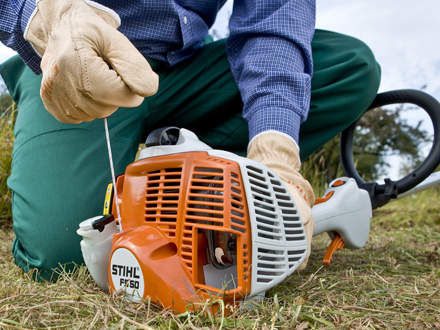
(237, 206)
(268, 224)
(162, 198)
(291, 219)
(294, 256)
(271, 264)
(206, 197)
(245, 258)
(186, 248)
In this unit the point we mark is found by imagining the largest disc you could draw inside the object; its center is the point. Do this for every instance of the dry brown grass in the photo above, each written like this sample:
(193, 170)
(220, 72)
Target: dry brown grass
(394, 282)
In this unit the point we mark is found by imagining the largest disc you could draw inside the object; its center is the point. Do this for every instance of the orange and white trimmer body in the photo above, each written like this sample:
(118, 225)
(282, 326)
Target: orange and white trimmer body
(200, 224)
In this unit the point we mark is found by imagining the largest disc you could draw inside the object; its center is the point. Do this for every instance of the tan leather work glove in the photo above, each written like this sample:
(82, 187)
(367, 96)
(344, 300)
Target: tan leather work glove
(281, 155)
(89, 67)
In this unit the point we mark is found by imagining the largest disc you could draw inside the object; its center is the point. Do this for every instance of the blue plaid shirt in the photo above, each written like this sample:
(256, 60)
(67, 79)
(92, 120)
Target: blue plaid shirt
(269, 47)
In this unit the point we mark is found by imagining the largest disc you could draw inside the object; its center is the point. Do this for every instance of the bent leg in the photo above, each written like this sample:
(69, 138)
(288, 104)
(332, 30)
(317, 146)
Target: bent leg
(59, 174)
(345, 82)
(200, 94)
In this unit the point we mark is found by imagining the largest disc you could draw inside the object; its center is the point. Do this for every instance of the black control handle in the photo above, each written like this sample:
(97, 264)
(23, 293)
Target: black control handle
(100, 223)
(381, 194)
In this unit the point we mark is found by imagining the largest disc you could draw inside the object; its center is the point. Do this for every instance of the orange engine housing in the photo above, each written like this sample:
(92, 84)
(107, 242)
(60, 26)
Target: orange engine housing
(167, 204)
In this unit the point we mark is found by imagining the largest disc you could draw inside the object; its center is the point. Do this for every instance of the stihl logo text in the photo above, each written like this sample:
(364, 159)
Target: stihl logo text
(128, 276)
(126, 271)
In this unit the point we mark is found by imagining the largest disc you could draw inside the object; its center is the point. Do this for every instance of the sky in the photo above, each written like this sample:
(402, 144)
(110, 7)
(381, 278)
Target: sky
(403, 36)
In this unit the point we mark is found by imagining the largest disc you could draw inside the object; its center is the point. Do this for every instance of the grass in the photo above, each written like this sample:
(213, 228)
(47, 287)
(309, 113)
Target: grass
(6, 139)
(393, 282)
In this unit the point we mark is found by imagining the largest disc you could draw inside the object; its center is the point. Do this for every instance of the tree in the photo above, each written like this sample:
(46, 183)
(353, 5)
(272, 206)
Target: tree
(5, 103)
(380, 133)
(5, 99)
(2, 86)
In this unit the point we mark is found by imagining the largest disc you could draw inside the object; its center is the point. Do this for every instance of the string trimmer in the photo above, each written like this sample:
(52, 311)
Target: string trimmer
(187, 223)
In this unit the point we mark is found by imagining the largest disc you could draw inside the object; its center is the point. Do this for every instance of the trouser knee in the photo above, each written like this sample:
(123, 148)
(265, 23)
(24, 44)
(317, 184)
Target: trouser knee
(345, 82)
(47, 260)
(366, 79)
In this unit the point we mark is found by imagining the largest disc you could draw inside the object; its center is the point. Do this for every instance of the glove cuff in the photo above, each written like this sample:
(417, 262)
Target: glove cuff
(281, 154)
(48, 13)
(106, 13)
(279, 133)
(273, 146)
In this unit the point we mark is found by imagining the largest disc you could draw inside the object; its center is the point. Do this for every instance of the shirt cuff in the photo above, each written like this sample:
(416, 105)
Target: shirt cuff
(274, 119)
(27, 52)
(27, 13)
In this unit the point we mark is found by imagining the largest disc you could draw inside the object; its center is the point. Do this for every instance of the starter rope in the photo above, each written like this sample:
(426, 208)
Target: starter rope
(109, 148)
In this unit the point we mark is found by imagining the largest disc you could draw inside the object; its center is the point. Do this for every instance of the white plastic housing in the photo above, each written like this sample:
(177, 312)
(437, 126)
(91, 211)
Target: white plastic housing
(187, 142)
(96, 247)
(348, 212)
(279, 242)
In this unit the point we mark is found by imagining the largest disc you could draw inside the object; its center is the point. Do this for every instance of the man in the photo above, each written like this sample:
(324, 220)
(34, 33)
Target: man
(252, 90)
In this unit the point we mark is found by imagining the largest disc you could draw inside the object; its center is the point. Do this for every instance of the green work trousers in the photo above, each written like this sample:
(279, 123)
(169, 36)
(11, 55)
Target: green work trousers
(60, 171)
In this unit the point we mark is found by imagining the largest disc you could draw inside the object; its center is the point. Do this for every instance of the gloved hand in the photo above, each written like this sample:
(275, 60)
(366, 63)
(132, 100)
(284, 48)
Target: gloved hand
(89, 67)
(281, 155)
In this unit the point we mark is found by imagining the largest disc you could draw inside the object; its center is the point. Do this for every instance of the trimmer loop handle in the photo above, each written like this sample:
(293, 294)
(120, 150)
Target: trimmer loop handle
(381, 194)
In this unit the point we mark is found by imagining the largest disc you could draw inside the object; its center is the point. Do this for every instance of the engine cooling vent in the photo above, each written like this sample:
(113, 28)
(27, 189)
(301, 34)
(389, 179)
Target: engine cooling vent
(162, 198)
(210, 197)
(279, 240)
(292, 223)
(216, 200)
(206, 197)
(271, 264)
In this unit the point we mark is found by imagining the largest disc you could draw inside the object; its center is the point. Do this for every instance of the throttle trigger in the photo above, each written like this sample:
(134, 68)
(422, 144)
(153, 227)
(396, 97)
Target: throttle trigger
(338, 183)
(336, 244)
(325, 198)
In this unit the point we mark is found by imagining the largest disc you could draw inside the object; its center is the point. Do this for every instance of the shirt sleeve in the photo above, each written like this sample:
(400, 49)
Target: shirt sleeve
(14, 15)
(269, 49)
